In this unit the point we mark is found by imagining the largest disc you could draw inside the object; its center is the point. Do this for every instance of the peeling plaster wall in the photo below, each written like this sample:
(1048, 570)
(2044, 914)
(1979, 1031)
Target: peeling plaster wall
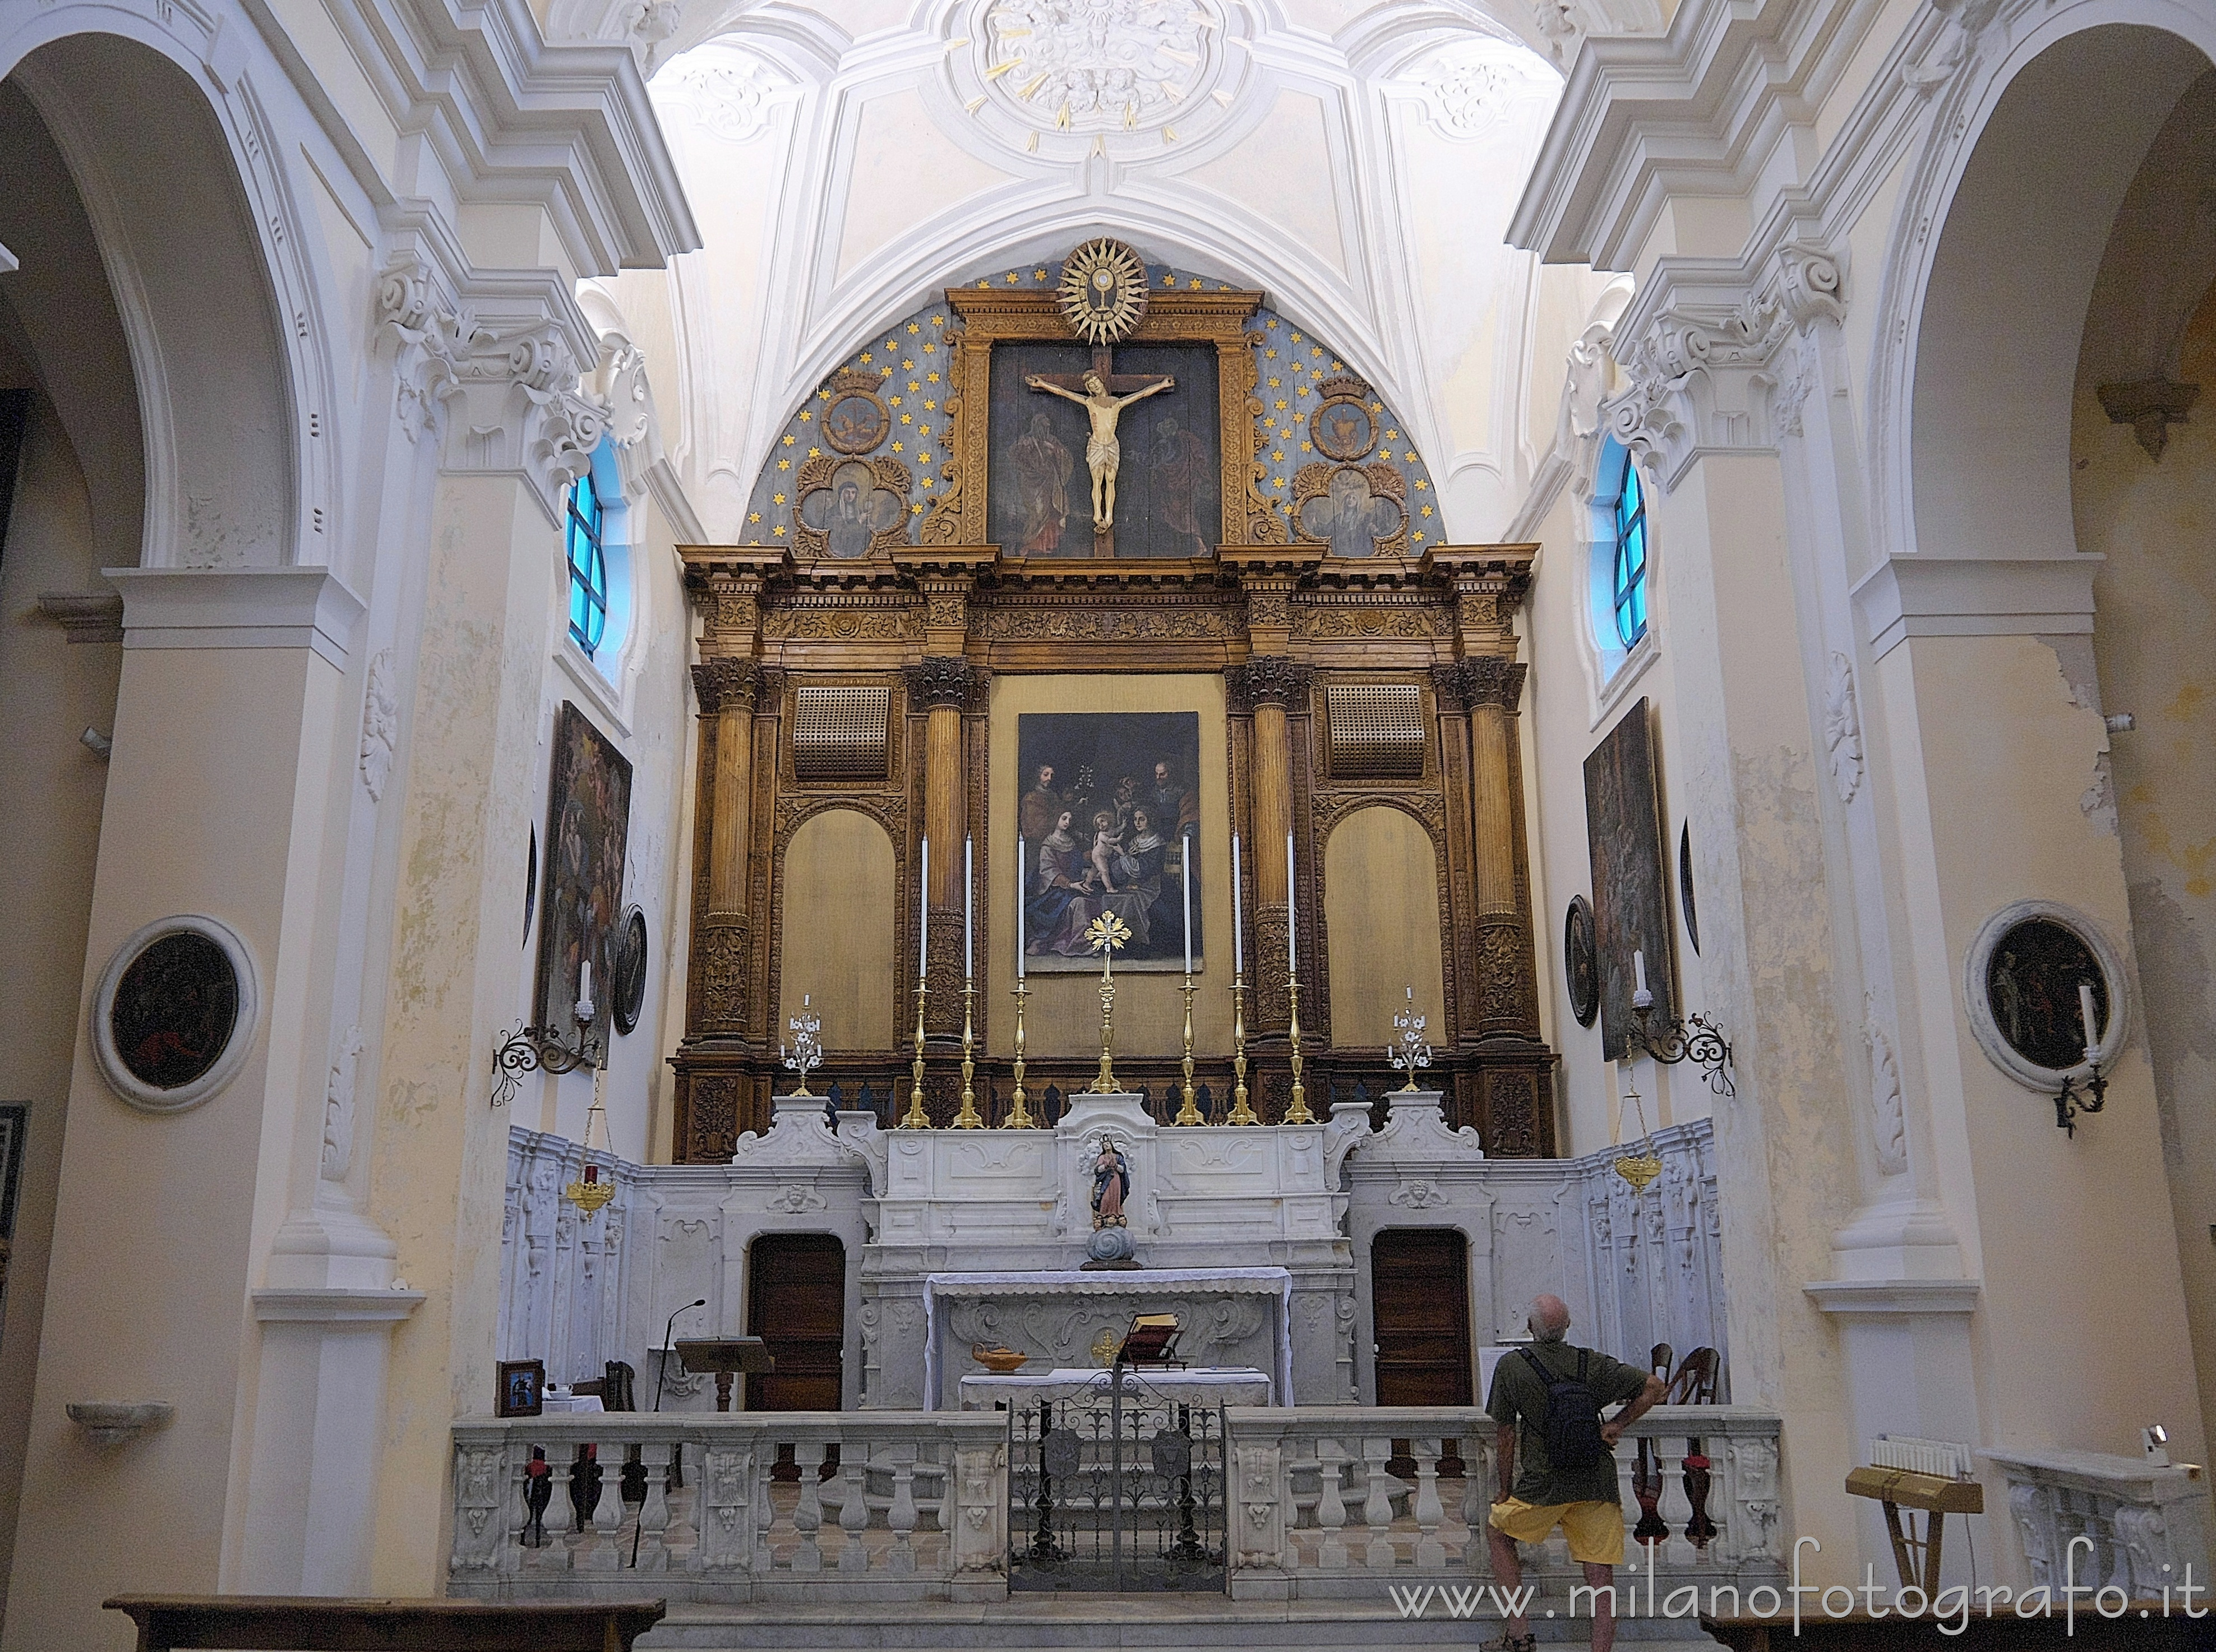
(2156, 605)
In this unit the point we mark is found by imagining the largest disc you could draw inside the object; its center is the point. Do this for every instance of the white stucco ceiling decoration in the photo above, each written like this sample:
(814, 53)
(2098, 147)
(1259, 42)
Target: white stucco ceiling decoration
(1068, 77)
(1357, 160)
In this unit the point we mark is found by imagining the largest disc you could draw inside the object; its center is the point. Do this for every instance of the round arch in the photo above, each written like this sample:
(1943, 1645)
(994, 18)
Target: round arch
(225, 385)
(1994, 255)
(838, 865)
(1381, 901)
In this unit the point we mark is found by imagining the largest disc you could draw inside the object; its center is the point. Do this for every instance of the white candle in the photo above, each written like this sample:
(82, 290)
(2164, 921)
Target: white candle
(1639, 971)
(923, 917)
(2085, 1014)
(1021, 862)
(1238, 912)
(1184, 890)
(969, 915)
(1292, 927)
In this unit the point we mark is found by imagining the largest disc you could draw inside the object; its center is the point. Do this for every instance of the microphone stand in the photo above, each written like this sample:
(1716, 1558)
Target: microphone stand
(661, 1370)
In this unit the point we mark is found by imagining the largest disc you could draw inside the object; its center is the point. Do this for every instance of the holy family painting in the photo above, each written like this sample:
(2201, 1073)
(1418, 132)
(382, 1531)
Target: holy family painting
(1166, 460)
(1109, 803)
(588, 822)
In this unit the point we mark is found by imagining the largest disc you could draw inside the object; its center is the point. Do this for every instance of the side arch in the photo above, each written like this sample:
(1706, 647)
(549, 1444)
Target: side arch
(837, 906)
(1381, 903)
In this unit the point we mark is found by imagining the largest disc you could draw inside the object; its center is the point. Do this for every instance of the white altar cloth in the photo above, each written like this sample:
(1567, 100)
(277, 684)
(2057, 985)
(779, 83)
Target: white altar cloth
(1186, 1386)
(1108, 1282)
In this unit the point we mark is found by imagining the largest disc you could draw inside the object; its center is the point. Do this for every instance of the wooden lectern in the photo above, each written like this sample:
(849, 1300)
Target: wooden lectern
(1938, 1495)
(726, 1356)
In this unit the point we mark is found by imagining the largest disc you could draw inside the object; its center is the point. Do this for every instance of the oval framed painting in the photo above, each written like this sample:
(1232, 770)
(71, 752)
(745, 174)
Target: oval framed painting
(1580, 961)
(2020, 984)
(629, 965)
(856, 420)
(173, 1016)
(1344, 429)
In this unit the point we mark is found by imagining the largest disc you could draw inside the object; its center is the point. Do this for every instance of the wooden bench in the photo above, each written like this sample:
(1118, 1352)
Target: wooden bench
(252, 1623)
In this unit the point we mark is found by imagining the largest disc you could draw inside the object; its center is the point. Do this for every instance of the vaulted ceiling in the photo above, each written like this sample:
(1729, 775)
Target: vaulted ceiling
(1358, 161)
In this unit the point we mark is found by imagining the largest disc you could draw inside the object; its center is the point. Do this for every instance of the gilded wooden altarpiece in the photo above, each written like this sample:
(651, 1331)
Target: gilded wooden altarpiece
(1273, 609)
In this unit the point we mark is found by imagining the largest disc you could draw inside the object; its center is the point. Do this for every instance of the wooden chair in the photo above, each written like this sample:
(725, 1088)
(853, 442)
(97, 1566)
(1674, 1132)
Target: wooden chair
(1659, 1361)
(1695, 1382)
(250, 1622)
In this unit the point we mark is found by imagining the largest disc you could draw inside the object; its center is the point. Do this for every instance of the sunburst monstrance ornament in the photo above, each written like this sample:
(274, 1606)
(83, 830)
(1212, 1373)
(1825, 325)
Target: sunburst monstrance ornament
(1103, 291)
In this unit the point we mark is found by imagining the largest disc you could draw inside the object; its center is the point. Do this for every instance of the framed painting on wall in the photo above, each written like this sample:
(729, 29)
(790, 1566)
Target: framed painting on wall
(1631, 901)
(587, 821)
(1108, 805)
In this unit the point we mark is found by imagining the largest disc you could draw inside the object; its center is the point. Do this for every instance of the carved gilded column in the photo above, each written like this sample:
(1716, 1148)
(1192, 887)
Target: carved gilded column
(1269, 688)
(943, 685)
(1493, 687)
(726, 690)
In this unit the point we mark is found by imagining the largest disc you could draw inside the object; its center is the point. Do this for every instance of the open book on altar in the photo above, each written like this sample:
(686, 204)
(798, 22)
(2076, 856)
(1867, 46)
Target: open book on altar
(1150, 1340)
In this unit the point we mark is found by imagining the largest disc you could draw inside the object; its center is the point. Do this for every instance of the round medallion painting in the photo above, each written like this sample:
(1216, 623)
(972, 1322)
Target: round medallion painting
(630, 970)
(1343, 427)
(173, 1013)
(1580, 961)
(2031, 988)
(856, 422)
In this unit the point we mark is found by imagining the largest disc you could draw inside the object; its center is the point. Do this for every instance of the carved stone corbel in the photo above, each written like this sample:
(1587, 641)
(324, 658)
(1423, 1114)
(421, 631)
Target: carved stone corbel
(2150, 406)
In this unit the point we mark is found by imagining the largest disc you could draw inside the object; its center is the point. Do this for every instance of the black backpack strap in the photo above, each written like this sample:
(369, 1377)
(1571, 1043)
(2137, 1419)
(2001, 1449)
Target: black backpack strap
(1546, 1376)
(1583, 1354)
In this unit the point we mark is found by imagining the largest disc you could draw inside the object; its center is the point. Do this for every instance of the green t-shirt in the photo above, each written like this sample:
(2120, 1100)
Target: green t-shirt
(1519, 1396)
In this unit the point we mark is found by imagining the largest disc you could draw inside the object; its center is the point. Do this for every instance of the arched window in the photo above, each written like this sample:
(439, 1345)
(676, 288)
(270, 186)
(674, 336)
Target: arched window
(589, 564)
(1628, 583)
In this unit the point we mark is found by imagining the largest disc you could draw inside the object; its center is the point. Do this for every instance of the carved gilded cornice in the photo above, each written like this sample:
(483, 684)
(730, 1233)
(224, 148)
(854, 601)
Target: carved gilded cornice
(1488, 583)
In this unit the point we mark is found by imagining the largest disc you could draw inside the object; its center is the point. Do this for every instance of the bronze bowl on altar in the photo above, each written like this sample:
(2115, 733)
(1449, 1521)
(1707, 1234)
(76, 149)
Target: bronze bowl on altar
(999, 1361)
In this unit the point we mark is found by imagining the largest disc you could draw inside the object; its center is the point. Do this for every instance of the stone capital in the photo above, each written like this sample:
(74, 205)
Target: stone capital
(1491, 680)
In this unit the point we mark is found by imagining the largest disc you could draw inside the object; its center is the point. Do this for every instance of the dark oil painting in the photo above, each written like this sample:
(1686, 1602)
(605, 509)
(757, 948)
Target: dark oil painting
(1168, 481)
(1631, 907)
(2032, 984)
(587, 820)
(1108, 801)
(175, 1007)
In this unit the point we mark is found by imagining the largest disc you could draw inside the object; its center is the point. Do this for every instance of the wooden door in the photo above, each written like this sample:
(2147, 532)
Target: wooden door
(1419, 1300)
(797, 1304)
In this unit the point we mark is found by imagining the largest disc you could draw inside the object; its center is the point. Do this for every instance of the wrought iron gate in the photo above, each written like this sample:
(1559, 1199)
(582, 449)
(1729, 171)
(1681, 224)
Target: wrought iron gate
(1120, 1488)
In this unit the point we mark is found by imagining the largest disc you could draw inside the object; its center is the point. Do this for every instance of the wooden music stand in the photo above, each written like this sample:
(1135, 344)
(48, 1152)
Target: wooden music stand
(1899, 1489)
(726, 1356)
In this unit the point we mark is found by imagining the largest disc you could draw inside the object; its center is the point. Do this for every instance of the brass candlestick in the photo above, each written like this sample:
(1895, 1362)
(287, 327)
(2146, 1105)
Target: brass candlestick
(1188, 1114)
(1298, 1112)
(967, 1118)
(1107, 933)
(1240, 1113)
(1019, 1116)
(915, 1118)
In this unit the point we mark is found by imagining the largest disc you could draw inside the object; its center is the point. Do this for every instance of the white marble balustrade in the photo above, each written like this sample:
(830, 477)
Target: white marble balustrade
(2136, 1525)
(917, 1504)
(1316, 1513)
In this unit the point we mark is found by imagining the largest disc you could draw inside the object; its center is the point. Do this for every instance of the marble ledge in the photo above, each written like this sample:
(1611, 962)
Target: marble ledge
(1896, 1296)
(335, 1304)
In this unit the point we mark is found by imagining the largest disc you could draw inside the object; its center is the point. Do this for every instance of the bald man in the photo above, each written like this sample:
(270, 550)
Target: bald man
(1536, 1494)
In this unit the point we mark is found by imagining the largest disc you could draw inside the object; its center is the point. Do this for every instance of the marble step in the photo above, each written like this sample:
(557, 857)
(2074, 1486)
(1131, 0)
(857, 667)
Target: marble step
(1144, 1623)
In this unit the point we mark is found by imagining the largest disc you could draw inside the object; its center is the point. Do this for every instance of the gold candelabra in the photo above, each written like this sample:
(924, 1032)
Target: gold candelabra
(967, 1118)
(1240, 1113)
(915, 1118)
(1298, 1112)
(1019, 1116)
(1188, 1113)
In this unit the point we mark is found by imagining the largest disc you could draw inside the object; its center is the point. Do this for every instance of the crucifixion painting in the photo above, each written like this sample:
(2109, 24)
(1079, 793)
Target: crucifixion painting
(1103, 453)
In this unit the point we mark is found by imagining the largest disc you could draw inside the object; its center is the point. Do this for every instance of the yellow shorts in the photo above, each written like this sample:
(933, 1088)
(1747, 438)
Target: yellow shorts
(1595, 1530)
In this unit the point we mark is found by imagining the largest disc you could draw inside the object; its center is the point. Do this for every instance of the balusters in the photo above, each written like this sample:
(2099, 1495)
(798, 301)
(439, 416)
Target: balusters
(853, 1507)
(1430, 1553)
(808, 1513)
(651, 1540)
(606, 1511)
(764, 1468)
(900, 1518)
(1378, 1506)
(1331, 1507)
(1480, 1478)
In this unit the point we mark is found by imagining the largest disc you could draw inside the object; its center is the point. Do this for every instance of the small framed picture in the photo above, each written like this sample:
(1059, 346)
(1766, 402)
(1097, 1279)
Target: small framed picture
(522, 1387)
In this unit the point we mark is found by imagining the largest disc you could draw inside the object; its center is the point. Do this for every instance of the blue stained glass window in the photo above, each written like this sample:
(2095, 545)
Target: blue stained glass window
(588, 565)
(1630, 556)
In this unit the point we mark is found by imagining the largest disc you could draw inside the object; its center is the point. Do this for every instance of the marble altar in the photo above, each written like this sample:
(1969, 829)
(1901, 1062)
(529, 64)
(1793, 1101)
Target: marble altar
(1229, 1316)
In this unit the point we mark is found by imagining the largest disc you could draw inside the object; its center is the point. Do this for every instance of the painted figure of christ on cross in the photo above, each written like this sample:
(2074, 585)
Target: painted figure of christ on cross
(1097, 393)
